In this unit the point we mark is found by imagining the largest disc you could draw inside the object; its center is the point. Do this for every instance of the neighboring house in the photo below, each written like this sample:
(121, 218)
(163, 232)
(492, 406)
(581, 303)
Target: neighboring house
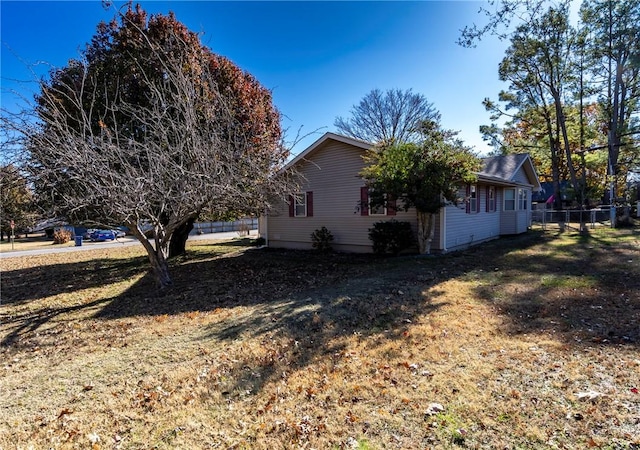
(333, 195)
(545, 194)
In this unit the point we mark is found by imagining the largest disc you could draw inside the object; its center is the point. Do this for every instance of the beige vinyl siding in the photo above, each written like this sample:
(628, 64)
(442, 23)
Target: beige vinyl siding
(464, 229)
(331, 173)
(332, 177)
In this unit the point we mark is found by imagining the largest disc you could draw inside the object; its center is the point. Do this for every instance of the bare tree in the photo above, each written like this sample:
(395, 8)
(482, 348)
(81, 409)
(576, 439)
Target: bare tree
(394, 116)
(101, 153)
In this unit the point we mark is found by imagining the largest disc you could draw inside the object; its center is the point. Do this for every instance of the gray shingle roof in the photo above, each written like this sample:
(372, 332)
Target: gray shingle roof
(504, 166)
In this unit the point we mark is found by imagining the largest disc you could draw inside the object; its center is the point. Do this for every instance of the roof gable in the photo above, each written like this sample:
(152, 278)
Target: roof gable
(502, 169)
(506, 167)
(307, 153)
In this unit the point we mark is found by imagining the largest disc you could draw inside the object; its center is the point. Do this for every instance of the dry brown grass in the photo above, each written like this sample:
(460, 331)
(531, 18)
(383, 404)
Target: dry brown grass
(275, 349)
(36, 241)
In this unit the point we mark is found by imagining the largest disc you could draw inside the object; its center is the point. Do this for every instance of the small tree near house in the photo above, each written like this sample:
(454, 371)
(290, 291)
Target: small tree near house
(423, 175)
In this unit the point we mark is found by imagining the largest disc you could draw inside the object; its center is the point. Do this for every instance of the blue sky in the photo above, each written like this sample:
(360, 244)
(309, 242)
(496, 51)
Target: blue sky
(318, 58)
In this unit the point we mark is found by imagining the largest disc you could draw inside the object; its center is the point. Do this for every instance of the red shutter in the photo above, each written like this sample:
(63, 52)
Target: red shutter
(310, 204)
(292, 206)
(391, 205)
(468, 202)
(364, 201)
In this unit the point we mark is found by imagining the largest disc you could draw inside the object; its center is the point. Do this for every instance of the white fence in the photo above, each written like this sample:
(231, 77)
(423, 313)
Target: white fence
(241, 226)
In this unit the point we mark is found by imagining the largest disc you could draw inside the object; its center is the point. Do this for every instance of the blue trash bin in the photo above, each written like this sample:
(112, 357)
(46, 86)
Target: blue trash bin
(78, 241)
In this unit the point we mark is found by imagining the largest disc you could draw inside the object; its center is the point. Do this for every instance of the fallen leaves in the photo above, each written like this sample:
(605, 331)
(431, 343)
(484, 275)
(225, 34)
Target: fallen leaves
(433, 409)
(357, 362)
(589, 395)
(65, 412)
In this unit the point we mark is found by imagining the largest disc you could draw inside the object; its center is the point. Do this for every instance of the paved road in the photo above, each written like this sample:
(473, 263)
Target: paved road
(126, 241)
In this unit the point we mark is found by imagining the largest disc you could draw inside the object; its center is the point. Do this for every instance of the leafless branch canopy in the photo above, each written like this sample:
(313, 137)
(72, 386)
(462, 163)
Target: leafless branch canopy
(101, 154)
(386, 117)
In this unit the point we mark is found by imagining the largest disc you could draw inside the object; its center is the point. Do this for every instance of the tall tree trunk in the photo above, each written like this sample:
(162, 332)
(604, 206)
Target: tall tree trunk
(160, 268)
(617, 117)
(178, 243)
(157, 255)
(562, 125)
(426, 227)
(555, 162)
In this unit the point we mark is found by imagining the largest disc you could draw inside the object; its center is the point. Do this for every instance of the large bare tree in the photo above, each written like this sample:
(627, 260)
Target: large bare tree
(394, 116)
(155, 142)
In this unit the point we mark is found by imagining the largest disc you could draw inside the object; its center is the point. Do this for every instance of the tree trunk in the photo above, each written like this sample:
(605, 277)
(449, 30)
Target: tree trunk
(562, 123)
(555, 160)
(426, 227)
(157, 255)
(160, 268)
(178, 243)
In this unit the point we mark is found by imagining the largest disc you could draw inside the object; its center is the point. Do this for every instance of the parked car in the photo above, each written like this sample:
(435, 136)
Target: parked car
(87, 234)
(121, 231)
(96, 234)
(102, 235)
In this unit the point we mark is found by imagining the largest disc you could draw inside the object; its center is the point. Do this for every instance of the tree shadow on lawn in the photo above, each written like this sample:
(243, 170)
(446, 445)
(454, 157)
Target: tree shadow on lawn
(24, 285)
(582, 291)
(310, 300)
(586, 292)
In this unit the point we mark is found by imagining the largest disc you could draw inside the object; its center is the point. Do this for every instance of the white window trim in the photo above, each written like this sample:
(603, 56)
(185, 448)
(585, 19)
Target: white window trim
(514, 200)
(474, 202)
(384, 208)
(523, 197)
(491, 199)
(296, 203)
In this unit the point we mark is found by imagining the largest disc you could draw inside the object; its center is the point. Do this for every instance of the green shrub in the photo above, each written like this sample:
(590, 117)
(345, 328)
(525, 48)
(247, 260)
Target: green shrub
(391, 237)
(321, 239)
(61, 236)
(259, 242)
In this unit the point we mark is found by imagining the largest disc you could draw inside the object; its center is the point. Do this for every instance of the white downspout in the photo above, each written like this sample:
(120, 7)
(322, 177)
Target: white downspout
(266, 228)
(443, 229)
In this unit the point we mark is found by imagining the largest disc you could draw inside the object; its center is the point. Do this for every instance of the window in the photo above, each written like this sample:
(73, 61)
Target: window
(368, 209)
(522, 199)
(301, 204)
(509, 199)
(473, 198)
(472, 201)
(491, 198)
(377, 210)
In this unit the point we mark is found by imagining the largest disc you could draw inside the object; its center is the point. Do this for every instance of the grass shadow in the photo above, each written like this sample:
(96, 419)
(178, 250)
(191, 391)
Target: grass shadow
(582, 288)
(23, 285)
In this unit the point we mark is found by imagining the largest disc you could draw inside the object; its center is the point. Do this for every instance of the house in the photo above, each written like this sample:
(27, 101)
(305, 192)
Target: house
(545, 195)
(333, 195)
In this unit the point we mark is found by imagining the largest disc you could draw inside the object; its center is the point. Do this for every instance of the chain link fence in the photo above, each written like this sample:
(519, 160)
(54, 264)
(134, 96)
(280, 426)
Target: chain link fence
(605, 215)
(242, 226)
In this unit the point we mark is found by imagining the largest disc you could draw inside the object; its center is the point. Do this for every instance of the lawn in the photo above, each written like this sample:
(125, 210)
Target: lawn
(520, 343)
(32, 242)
